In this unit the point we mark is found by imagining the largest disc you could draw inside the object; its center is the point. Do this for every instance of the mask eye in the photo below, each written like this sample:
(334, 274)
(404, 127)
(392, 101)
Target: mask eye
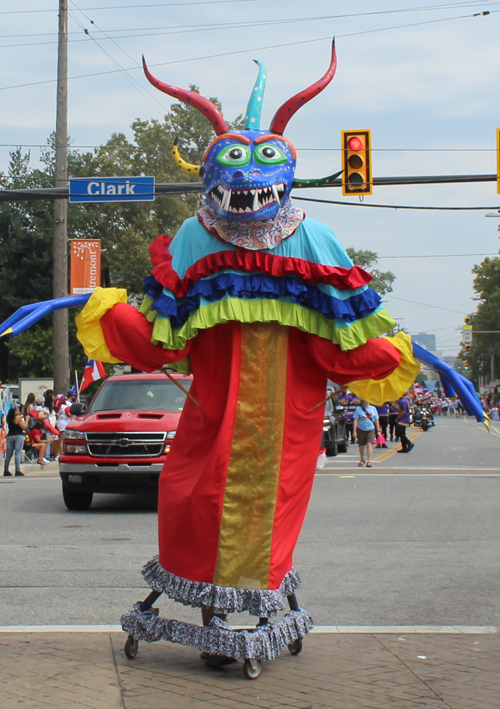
(234, 156)
(269, 154)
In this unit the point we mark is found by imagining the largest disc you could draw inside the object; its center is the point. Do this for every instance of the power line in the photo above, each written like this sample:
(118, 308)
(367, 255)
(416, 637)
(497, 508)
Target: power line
(442, 6)
(246, 51)
(427, 305)
(223, 26)
(131, 7)
(337, 150)
(436, 255)
(145, 94)
(394, 206)
(426, 8)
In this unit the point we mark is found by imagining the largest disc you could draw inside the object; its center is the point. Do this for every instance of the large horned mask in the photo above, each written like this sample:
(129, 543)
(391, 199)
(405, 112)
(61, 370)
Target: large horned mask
(247, 174)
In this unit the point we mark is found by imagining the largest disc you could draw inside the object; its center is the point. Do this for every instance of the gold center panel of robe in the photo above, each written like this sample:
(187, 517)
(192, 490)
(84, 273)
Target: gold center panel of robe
(250, 496)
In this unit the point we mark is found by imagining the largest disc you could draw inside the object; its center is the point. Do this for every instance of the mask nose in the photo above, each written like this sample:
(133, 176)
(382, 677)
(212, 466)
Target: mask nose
(238, 173)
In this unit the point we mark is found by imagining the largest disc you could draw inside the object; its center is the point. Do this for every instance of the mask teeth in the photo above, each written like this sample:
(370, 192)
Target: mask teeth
(275, 193)
(255, 205)
(227, 201)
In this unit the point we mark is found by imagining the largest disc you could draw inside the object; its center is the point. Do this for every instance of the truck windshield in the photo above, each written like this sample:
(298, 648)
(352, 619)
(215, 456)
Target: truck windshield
(156, 395)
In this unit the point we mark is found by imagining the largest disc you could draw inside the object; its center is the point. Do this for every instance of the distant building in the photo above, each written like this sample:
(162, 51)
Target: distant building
(426, 340)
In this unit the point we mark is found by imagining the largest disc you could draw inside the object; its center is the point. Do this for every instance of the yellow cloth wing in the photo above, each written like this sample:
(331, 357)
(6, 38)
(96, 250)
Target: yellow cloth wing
(89, 326)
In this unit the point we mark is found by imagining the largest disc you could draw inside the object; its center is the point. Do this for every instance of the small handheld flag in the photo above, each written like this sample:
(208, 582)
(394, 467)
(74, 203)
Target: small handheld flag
(92, 372)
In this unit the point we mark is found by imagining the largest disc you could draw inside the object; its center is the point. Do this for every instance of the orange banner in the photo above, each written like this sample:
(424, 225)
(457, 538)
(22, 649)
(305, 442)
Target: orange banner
(85, 265)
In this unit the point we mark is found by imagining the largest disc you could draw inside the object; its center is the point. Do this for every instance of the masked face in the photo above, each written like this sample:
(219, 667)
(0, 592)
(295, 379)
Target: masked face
(248, 175)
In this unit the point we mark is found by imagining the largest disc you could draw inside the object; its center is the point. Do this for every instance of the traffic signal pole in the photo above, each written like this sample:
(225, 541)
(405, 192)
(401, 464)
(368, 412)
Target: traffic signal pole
(60, 250)
(60, 193)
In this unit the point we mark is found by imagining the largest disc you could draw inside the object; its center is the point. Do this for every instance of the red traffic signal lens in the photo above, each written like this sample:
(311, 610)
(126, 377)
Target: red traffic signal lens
(355, 143)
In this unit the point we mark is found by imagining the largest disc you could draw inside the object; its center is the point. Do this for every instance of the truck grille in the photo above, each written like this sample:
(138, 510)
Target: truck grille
(120, 445)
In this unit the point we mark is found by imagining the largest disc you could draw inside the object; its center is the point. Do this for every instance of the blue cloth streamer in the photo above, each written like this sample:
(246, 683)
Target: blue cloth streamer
(453, 382)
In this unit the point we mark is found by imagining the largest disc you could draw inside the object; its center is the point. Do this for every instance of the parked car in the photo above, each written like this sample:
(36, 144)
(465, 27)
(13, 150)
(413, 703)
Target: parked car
(120, 443)
(335, 436)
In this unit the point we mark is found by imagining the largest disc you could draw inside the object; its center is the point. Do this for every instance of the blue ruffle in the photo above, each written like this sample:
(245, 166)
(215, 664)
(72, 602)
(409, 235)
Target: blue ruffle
(259, 286)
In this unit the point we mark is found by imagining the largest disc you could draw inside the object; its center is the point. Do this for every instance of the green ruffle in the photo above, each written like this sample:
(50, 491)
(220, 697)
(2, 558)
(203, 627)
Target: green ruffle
(288, 314)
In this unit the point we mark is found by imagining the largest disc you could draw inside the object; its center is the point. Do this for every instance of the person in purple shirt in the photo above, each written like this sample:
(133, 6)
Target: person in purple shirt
(383, 420)
(393, 418)
(403, 421)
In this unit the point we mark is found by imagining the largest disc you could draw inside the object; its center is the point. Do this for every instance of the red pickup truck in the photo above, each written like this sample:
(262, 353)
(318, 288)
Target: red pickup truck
(119, 444)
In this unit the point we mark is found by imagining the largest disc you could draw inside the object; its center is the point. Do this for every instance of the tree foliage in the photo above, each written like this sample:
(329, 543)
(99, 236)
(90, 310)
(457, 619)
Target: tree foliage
(382, 280)
(126, 230)
(485, 350)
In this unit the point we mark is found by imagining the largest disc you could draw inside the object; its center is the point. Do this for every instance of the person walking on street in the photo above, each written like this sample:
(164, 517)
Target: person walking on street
(403, 421)
(383, 420)
(366, 427)
(15, 439)
(393, 417)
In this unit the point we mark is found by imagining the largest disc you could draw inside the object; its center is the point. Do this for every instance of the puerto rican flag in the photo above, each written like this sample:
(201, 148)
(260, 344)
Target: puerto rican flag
(92, 372)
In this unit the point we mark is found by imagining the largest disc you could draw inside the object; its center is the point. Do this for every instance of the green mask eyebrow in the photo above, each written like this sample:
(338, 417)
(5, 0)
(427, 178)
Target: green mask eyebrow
(252, 116)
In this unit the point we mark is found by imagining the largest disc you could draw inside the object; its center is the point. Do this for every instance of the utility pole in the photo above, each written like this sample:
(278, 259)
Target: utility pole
(60, 251)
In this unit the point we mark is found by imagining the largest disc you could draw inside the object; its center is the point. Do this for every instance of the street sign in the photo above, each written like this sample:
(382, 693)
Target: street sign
(466, 334)
(112, 189)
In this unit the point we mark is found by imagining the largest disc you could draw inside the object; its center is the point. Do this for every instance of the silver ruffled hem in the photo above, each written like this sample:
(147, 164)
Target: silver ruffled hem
(218, 638)
(221, 599)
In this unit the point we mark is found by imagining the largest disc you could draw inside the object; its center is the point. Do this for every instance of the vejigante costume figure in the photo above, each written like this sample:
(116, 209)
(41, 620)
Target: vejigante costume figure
(262, 304)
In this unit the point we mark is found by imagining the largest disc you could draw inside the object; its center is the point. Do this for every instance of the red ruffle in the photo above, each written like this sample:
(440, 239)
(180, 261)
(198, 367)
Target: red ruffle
(252, 261)
(158, 250)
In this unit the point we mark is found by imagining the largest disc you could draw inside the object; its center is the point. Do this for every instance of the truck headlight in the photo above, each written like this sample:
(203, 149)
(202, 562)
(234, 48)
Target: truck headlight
(70, 433)
(170, 435)
(75, 449)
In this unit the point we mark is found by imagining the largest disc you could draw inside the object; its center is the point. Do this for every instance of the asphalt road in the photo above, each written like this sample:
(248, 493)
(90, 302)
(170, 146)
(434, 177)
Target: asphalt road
(413, 541)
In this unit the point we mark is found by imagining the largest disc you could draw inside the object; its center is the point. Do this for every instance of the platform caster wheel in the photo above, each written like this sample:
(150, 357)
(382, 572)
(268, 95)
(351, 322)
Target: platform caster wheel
(295, 648)
(252, 669)
(131, 647)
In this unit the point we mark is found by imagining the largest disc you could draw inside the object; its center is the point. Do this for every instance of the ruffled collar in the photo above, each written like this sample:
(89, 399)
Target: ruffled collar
(253, 236)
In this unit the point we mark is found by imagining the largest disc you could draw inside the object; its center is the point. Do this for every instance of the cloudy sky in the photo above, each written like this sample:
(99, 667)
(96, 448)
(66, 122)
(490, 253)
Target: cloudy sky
(425, 78)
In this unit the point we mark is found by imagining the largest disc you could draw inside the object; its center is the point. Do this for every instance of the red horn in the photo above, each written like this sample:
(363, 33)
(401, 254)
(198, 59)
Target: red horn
(283, 114)
(202, 104)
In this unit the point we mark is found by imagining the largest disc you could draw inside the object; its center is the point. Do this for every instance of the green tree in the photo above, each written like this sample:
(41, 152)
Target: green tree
(126, 230)
(484, 356)
(382, 280)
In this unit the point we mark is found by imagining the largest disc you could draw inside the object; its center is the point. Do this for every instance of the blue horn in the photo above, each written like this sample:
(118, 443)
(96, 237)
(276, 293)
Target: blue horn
(252, 116)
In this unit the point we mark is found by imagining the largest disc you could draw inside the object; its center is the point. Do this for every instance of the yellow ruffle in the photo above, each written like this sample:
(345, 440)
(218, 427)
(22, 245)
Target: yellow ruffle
(288, 314)
(89, 326)
(378, 391)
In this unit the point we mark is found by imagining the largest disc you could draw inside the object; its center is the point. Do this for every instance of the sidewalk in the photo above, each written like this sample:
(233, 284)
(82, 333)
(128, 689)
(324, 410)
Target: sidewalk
(33, 470)
(87, 670)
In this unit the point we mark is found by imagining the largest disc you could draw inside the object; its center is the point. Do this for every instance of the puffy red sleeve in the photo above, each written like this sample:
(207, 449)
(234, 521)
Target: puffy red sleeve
(376, 359)
(128, 336)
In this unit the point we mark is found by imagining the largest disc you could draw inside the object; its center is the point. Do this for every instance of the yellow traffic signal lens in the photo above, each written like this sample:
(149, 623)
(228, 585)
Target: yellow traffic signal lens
(356, 143)
(467, 320)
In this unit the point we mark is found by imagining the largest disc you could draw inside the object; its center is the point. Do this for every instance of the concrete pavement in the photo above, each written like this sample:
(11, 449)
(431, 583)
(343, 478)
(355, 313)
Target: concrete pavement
(88, 670)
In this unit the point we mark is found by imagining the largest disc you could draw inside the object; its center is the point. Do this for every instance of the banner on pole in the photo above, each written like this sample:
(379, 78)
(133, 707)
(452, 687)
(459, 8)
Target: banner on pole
(85, 265)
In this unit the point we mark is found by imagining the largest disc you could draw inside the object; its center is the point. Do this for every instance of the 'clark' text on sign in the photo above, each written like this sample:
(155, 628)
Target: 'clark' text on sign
(112, 189)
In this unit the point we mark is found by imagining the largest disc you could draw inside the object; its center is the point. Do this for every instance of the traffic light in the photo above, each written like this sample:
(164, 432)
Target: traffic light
(467, 348)
(467, 320)
(466, 364)
(356, 162)
(498, 160)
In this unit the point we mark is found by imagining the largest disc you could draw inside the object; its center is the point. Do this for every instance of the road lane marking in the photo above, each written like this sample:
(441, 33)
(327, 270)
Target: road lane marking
(392, 451)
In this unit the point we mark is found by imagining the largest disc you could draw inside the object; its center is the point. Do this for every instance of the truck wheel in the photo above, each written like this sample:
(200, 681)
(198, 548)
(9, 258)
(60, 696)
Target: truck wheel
(344, 446)
(77, 501)
(331, 447)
